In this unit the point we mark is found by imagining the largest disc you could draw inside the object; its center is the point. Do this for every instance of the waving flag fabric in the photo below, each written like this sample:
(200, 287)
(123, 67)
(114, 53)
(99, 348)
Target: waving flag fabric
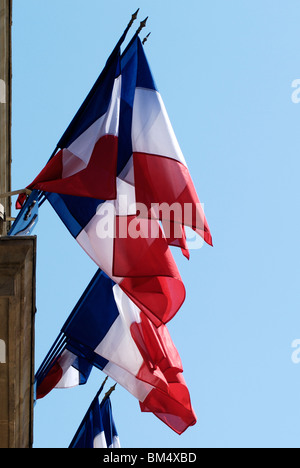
(143, 266)
(124, 189)
(108, 331)
(97, 429)
(86, 163)
(120, 183)
(92, 155)
(125, 132)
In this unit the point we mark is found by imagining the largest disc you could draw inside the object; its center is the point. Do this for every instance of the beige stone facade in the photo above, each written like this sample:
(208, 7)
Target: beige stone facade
(5, 106)
(17, 312)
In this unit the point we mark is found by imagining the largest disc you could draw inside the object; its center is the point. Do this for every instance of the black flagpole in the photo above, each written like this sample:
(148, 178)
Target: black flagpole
(107, 394)
(146, 38)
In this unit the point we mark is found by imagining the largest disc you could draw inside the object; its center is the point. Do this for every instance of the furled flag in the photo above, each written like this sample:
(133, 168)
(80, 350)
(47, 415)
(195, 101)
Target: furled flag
(97, 429)
(121, 185)
(107, 330)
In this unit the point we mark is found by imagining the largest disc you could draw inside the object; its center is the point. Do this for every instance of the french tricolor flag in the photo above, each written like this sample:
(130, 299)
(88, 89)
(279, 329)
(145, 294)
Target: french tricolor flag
(120, 165)
(86, 162)
(108, 331)
(97, 429)
(87, 165)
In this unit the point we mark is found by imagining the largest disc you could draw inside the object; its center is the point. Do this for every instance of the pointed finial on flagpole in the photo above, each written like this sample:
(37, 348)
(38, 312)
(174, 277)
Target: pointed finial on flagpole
(142, 25)
(133, 18)
(146, 38)
(107, 394)
(105, 380)
(102, 387)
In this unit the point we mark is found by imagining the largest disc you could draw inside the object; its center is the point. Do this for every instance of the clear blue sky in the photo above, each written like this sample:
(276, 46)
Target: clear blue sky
(224, 70)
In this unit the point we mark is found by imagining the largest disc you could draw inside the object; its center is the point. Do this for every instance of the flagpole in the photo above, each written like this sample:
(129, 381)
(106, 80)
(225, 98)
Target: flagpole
(146, 38)
(101, 388)
(107, 394)
(142, 26)
(133, 18)
(61, 142)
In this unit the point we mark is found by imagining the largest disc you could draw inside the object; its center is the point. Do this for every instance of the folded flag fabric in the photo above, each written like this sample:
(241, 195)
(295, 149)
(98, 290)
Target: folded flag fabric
(97, 429)
(108, 331)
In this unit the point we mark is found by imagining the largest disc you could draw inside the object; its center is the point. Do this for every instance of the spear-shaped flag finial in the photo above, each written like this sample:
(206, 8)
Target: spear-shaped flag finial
(146, 38)
(142, 25)
(107, 394)
(133, 18)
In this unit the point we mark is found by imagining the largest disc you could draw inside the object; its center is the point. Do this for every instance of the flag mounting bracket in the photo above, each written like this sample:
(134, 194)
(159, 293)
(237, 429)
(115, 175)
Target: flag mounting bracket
(15, 192)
